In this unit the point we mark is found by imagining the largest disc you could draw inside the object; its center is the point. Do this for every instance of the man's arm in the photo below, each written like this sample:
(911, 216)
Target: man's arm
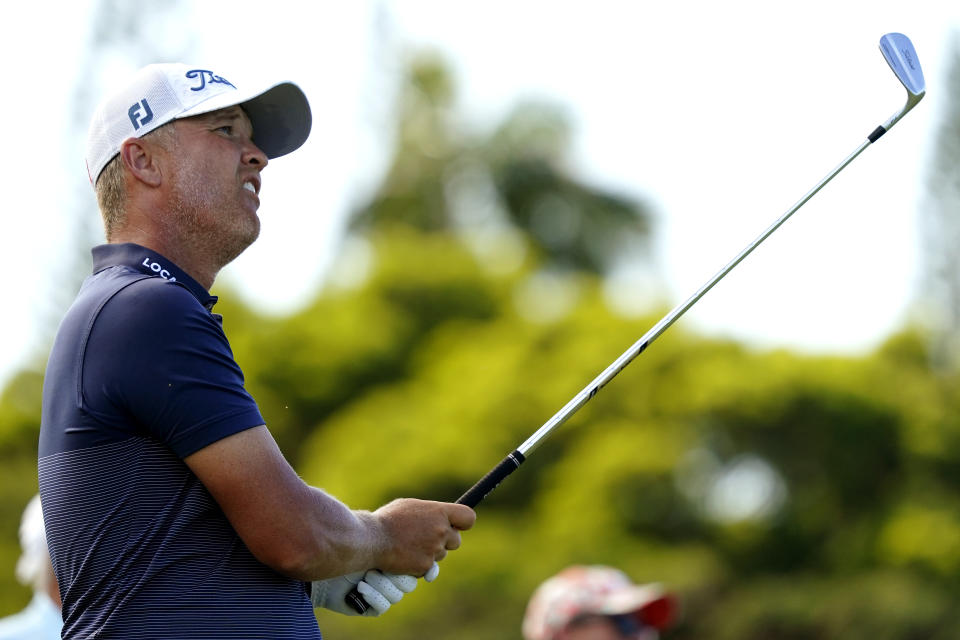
(304, 533)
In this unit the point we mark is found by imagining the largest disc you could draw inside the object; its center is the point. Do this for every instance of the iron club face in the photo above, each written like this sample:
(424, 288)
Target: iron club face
(899, 53)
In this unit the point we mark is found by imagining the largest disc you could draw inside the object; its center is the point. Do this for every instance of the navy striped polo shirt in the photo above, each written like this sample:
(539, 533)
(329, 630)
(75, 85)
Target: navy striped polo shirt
(140, 376)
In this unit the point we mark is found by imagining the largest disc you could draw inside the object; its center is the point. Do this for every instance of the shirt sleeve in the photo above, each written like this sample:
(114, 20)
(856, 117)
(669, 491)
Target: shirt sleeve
(158, 363)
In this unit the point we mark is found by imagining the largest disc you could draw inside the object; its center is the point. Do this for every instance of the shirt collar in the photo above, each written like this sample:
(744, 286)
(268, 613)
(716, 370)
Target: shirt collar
(151, 263)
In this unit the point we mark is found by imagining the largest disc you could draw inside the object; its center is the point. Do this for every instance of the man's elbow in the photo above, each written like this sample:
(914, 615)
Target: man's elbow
(291, 558)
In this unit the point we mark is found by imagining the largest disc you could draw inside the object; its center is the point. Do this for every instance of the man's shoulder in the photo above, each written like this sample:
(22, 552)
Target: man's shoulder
(135, 287)
(129, 298)
(146, 318)
(123, 307)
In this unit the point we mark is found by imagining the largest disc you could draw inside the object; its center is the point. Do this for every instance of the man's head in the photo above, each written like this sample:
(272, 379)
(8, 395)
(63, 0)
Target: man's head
(186, 145)
(161, 93)
(596, 603)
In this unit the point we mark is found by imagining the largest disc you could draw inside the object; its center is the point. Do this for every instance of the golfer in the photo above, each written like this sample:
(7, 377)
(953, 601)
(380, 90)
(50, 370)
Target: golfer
(170, 511)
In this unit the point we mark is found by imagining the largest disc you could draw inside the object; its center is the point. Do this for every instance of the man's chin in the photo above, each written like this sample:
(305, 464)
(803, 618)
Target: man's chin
(231, 248)
(245, 241)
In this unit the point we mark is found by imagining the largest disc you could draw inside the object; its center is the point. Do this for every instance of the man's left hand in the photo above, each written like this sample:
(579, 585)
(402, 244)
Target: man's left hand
(381, 590)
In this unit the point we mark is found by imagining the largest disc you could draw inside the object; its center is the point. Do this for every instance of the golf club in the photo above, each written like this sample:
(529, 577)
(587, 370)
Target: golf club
(899, 53)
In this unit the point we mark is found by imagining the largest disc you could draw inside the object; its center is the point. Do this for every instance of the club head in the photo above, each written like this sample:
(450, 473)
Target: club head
(899, 53)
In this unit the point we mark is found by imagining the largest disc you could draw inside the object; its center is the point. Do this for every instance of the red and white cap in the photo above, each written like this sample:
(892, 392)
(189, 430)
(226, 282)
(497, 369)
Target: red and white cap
(594, 590)
(159, 93)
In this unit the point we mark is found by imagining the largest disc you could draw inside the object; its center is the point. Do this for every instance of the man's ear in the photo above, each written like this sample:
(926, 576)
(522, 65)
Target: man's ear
(140, 159)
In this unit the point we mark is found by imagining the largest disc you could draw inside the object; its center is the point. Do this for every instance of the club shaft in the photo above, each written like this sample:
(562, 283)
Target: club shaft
(640, 345)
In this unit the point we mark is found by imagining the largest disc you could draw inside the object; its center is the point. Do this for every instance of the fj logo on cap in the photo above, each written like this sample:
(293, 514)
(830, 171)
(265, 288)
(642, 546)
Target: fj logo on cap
(204, 77)
(135, 113)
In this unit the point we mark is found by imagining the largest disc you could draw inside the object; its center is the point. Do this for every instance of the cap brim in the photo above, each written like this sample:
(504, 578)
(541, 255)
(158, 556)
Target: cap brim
(280, 116)
(651, 605)
(281, 119)
(659, 613)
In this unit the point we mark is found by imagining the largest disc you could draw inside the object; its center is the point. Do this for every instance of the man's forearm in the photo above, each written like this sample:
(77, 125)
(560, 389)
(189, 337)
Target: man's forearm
(333, 540)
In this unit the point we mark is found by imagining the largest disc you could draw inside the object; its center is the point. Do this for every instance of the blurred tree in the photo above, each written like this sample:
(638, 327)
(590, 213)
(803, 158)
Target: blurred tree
(653, 477)
(19, 423)
(941, 229)
(347, 342)
(442, 179)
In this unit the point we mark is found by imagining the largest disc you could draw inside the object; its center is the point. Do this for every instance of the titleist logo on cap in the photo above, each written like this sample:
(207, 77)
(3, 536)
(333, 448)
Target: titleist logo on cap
(204, 77)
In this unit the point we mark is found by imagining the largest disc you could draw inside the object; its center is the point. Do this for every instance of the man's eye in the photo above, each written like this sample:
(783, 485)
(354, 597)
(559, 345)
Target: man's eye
(227, 129)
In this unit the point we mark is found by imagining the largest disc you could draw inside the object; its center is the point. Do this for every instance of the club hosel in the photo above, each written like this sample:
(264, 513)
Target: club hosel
(912, 101)
(892, 121)
(886, 126)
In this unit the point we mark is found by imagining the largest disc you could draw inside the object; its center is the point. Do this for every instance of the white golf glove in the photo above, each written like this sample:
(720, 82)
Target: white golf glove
(379, 589)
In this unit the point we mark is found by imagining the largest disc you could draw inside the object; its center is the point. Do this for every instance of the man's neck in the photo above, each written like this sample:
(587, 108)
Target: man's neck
(187, 258)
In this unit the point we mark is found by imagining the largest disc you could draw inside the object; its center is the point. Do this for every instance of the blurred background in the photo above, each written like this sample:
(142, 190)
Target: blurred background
(498, 199)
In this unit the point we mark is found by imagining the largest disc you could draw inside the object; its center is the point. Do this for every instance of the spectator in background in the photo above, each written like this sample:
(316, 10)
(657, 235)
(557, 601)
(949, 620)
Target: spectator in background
(41, 619)
(597, 603)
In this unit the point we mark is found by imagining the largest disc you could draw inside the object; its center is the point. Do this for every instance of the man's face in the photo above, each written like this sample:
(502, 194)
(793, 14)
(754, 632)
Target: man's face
(215, 182)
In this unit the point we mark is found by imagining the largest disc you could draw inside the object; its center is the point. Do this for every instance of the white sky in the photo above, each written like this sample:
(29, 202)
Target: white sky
(720, 115)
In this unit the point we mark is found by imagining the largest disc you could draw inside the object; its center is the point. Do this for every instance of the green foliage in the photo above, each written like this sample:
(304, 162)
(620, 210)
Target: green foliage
(609, 486)
(19, 430)
(627, 480)
(20, 413)
(442, 179)
(880, 605)
(940, 282)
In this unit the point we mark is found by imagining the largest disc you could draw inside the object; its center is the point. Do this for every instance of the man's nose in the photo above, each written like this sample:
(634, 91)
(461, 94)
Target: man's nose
(253, 156)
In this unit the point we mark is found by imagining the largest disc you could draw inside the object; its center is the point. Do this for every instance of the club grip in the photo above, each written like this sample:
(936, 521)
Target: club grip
(471, 498)
(489, 482)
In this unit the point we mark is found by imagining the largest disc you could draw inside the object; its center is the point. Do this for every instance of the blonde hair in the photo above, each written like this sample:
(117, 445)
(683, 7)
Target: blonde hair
(111, 184)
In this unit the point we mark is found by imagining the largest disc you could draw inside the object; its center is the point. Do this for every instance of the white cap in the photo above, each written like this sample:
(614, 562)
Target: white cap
(33, 542)
(159, 93)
